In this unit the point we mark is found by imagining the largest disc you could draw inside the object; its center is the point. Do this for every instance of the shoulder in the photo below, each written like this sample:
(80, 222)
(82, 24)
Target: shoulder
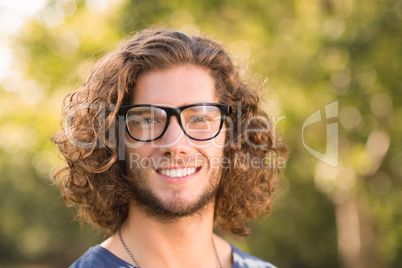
(244, 260)
(99, 257)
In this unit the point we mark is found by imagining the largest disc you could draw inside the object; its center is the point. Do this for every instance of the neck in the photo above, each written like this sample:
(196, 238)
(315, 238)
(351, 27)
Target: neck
(184, 242)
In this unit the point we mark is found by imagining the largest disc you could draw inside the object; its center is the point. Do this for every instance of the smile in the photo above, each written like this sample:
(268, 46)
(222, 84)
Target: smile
(177, 172)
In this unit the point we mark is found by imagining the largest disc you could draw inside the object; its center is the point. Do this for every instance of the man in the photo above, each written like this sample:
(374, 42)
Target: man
(164, 141)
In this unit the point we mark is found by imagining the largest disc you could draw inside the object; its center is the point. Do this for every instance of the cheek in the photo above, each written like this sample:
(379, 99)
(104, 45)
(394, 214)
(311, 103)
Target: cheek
(138, 155)
(135, 147)
(219, 143)
(215, 157)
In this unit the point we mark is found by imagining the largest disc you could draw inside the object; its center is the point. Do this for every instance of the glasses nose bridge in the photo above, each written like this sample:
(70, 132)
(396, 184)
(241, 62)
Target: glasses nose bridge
(176, 112)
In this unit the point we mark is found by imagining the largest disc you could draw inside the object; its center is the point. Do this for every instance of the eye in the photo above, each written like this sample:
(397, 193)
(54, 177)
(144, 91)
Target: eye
(198, 119)
(150, 120)
(144, 122)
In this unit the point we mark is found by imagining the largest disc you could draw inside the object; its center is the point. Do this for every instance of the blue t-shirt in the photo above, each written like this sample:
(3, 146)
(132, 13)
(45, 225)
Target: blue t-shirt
(99, 257)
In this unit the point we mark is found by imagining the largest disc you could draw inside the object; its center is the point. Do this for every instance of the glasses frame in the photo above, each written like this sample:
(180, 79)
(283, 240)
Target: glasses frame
(175, 111)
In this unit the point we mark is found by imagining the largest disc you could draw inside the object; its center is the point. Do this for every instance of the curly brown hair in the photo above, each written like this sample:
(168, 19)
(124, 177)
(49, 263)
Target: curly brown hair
(96, 181)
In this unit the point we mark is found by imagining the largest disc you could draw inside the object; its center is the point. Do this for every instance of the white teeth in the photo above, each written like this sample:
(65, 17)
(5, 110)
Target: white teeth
(178, 172)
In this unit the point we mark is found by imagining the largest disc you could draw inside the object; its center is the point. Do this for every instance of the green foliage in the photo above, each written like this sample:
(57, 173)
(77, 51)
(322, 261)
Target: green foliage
(313, 52)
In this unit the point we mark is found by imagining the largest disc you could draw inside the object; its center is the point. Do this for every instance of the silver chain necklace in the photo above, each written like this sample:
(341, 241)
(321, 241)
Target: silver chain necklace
(138, 266)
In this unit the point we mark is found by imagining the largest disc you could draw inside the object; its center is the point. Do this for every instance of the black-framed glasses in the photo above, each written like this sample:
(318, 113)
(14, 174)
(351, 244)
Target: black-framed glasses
(200, 121)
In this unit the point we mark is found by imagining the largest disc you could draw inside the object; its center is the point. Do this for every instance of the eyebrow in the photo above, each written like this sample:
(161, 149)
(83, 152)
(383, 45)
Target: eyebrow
(141, 109)
(199, 108)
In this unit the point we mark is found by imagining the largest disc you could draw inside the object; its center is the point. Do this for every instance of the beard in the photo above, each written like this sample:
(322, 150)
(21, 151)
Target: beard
(154, 206)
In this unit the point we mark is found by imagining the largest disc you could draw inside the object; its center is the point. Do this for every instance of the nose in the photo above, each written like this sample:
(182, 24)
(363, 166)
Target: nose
(174, 141)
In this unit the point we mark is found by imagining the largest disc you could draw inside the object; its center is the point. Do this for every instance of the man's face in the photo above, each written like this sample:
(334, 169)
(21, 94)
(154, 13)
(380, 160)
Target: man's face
(154, 166)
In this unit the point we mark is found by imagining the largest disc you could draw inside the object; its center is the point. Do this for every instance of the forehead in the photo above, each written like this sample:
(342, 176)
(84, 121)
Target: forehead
(176, 86)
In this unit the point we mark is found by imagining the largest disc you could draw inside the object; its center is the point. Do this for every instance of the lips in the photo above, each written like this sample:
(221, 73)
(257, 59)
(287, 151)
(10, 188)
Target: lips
(177, 172)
